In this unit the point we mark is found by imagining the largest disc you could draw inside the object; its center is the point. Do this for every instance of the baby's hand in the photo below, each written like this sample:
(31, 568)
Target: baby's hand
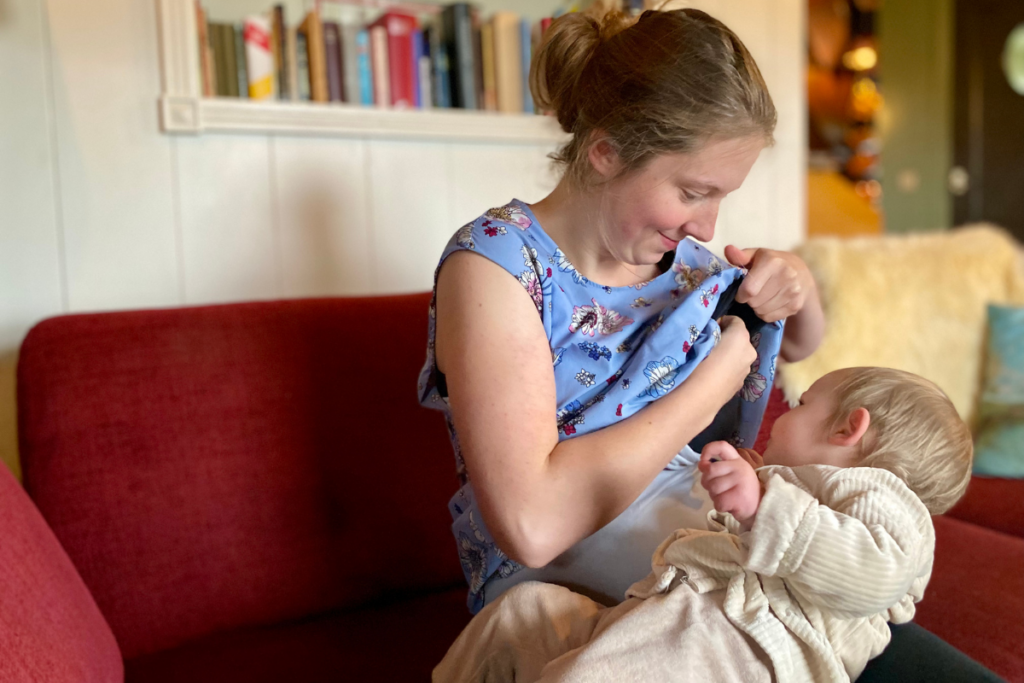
(730, 479)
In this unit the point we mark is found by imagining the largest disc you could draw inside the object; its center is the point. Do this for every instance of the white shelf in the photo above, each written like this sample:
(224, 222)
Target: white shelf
(184, 111)
(196, 115)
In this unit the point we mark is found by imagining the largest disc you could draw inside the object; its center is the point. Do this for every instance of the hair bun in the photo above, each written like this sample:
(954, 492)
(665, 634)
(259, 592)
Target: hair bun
(569, 44)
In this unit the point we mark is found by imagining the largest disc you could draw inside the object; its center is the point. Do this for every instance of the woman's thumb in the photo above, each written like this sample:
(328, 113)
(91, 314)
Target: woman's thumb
(739, 257)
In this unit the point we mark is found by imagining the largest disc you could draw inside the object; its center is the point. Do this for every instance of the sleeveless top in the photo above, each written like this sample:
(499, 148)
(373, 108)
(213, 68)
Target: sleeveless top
(613, 351)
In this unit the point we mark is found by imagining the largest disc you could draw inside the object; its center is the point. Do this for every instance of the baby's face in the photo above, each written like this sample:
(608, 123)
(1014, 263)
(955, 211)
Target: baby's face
(800, 437)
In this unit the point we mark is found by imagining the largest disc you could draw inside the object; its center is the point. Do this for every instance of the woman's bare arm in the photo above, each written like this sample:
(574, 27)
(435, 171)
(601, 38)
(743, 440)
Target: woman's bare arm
(538, 497)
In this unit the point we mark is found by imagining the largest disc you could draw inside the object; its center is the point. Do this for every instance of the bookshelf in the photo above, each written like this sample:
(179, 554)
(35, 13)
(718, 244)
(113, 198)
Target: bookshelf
(184, 111)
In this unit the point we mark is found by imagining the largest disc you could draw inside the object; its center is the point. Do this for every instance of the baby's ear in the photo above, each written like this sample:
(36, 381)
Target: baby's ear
(850, 431)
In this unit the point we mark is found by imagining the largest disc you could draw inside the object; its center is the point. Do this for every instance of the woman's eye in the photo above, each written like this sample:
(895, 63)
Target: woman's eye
(689, 196)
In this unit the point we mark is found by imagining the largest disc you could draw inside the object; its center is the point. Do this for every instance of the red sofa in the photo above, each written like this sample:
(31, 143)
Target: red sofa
(251, 493)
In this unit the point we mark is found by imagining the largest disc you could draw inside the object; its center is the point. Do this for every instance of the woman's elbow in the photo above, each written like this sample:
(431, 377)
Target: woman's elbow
(532, 549)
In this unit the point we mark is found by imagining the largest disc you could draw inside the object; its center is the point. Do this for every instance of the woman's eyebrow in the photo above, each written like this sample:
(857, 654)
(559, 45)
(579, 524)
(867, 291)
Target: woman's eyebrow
(701, 185)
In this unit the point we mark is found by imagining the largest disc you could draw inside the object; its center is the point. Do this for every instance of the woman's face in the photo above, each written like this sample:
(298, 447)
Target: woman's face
(674, 196)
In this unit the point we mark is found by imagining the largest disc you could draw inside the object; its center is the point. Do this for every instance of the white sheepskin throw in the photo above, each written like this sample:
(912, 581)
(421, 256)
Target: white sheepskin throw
(910, 302)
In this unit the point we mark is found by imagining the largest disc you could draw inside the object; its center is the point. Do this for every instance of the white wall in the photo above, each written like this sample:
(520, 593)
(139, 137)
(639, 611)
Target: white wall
(100, 211)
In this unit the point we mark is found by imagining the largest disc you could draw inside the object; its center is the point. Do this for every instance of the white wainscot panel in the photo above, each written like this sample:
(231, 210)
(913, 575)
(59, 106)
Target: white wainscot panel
(412, 217)
(115, 166)
(484, 176)
(322, 210)
(227, 236)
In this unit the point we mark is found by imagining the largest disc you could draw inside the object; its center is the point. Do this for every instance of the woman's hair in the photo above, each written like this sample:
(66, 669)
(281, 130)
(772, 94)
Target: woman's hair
(915, 432)
(666, 82)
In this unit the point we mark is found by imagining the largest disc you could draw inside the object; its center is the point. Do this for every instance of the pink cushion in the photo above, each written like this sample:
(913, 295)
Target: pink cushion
(219, 467)
(402, 641)
(50, 628)
(975, 599)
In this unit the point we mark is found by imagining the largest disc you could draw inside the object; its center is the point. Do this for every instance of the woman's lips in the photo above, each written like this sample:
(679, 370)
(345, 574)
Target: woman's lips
(669, 243)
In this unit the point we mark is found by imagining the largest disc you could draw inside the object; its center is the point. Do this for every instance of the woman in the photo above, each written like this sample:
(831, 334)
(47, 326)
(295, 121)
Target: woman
(573, 387)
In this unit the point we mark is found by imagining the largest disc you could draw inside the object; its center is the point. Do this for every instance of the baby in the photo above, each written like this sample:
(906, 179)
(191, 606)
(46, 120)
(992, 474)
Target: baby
(811, 550)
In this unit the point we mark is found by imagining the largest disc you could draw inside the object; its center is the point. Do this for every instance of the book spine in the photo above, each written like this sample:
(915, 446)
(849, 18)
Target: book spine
(280, 48)
(426, 77)
(332, 52)
(243, 77)
(490, 72)
(230, 61)
(205, 61)
(365, 67)
(259, 58)
(292, 61)
(459, 45)
(442, 75)
(350, 64)
(415, 54)
(399, 28)
(302, 67)
(508, 62)
(526, 42)
(219, 58)
(314, 31)
(381, 73)
(478, 60)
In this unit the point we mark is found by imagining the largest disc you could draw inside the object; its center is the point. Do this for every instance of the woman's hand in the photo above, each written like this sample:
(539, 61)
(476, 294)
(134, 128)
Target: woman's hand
(731, 481)
(731, 359)
(779, 285)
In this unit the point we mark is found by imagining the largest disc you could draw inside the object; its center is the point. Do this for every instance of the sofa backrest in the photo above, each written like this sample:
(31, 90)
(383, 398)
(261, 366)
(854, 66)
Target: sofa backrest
(50, 628)
(222, 466)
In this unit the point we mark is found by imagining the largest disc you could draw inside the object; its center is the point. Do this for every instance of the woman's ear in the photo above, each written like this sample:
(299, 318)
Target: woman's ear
(603, 156)
(850, 431)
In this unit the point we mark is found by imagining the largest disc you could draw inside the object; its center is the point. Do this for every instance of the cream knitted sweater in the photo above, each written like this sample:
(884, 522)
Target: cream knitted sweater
(833, 555)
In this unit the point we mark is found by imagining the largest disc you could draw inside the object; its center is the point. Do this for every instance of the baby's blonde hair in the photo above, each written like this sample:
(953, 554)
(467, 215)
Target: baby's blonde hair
(915, 432)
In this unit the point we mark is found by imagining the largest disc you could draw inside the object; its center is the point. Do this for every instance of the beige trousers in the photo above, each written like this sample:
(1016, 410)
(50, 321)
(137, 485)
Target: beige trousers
(539, 632)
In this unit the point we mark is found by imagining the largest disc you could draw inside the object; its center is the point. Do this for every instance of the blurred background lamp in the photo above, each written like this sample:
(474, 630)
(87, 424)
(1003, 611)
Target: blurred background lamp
(861, 59)
(1013, 59)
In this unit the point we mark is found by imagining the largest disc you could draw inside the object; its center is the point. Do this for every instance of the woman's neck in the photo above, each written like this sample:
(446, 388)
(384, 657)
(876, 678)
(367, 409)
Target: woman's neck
(573, 220)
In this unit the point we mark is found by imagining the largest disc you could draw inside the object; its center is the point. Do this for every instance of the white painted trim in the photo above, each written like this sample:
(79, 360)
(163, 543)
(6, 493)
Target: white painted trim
(182, 110)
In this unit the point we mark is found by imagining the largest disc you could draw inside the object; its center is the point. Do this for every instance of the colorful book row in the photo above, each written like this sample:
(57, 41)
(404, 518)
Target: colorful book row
(454, 60)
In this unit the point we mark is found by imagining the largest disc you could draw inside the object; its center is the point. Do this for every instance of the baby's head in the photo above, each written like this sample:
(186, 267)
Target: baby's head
(878, 417)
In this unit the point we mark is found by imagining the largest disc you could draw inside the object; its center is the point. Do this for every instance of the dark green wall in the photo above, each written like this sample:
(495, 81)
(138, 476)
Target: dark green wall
(916, 61)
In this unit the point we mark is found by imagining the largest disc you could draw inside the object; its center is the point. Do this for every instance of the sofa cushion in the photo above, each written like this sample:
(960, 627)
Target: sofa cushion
(50, 628)
(402, 641)
(993, 503)
(217, 467)
(975, 599)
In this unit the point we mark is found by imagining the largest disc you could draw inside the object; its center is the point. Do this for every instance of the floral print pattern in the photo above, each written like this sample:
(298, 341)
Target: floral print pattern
(607, 365)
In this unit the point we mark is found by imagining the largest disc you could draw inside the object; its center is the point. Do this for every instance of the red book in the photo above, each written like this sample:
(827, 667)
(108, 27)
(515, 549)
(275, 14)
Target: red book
(399, 28)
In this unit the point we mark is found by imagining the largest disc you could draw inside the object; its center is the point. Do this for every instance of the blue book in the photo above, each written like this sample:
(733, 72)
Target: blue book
(417, 52)
(527, 53)
(365, 70)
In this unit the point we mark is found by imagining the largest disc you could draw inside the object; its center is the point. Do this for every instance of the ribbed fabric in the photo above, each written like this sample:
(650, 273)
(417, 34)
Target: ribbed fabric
(834, 553)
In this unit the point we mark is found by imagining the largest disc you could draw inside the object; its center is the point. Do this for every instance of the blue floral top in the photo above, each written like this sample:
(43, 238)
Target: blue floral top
(613, 351)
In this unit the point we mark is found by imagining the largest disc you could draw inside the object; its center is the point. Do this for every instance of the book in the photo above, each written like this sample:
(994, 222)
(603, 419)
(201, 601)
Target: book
(243, 79)
(206, 63)
(526, 51)
(279, 39)
(312, 28)
(456, 42)
(478, 60)
(302, 68)
(231, 57)
(508, 62)
(424, 75)
(332, 53)
(490, 72)
(417, 52)
(379, 66)
(259, 59)
(219, 58)
(402, 85)
(350, 63)
(291, 60)
(364, 67)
